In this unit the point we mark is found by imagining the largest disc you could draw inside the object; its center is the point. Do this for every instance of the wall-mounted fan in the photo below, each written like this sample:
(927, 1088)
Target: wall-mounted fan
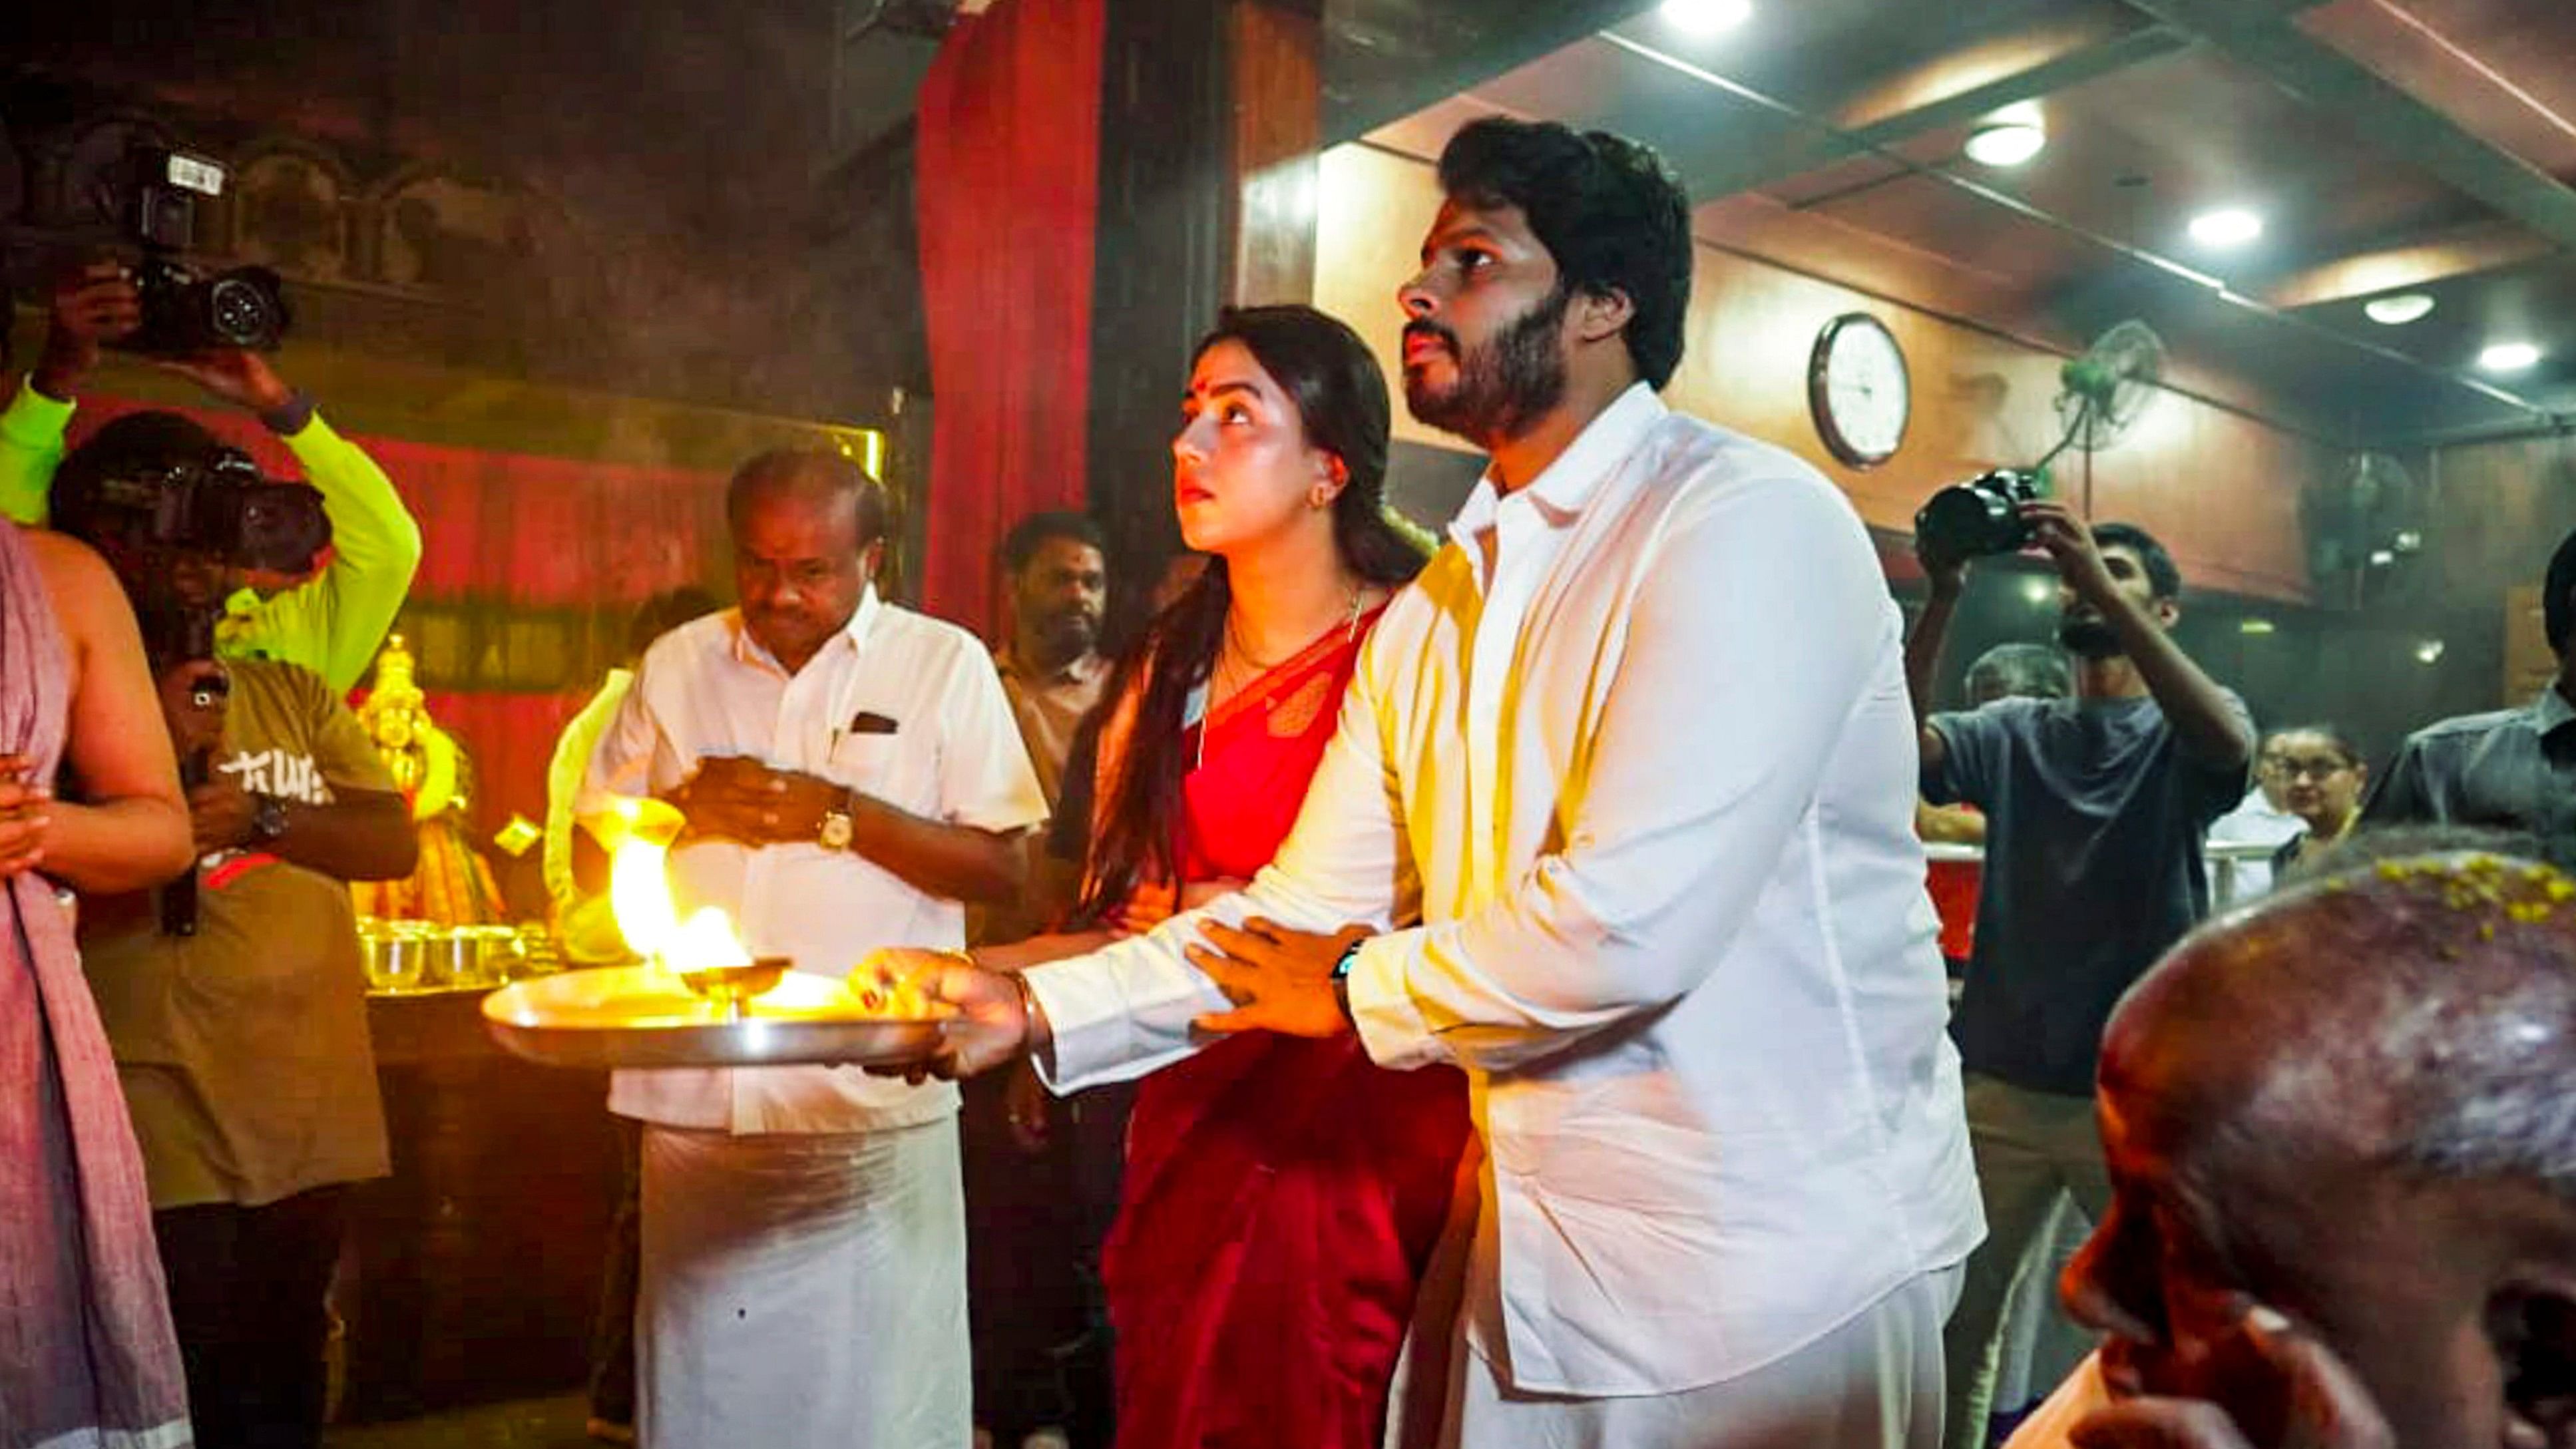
(2362, 526)
(2102, 392)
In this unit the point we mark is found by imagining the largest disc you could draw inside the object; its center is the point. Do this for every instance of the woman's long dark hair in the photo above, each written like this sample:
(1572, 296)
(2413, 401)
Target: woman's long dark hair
(1341, 401)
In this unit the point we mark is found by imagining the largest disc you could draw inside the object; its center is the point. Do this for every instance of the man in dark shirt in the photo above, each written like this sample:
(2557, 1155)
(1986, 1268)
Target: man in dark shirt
(2096, 808)
(2513, 769)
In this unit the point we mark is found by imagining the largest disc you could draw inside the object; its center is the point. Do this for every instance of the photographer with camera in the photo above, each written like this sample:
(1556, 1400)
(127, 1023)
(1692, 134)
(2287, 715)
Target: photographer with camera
(2096, 808)
(235, 1004)
(329, 622)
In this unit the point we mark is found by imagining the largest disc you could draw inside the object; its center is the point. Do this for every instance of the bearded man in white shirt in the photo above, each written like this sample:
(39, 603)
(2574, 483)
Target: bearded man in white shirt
(1623, 793)
(850, 771)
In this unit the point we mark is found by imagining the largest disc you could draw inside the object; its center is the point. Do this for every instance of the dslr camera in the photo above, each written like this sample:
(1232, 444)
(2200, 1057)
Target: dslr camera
(219, 506)
(1980, 517)
(185, 311)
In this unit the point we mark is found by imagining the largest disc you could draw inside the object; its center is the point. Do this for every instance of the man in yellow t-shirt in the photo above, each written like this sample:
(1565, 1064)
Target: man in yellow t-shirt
(330, 623)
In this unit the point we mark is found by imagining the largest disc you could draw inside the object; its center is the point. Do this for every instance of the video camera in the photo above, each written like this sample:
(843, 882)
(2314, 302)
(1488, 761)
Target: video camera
(186, 312)
(220, 506)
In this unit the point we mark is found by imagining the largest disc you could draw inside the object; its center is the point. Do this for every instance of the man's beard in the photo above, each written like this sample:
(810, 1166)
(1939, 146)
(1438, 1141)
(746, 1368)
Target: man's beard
(1503, 385)
(2087, 636)
(1068, 634)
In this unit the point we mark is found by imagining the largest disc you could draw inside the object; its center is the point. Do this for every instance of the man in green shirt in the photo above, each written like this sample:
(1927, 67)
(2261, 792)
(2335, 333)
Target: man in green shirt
(330, 623)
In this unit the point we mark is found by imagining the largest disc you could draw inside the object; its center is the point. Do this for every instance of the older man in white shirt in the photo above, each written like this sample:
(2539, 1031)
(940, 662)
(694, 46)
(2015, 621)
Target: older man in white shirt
(850, 771)
(1635, 751)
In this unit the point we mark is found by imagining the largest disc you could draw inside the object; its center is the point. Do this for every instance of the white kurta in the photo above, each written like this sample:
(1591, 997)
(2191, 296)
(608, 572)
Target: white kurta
(1637, 752)
(936, 738)
(804, 1271)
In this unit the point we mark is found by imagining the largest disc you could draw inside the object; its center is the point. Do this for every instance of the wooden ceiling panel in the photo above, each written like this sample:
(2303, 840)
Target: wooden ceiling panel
(2505, 69)
(2135, 155)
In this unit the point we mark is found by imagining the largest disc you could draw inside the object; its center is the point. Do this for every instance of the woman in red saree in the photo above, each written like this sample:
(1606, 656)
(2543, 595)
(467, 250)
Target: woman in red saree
(1282, 1197)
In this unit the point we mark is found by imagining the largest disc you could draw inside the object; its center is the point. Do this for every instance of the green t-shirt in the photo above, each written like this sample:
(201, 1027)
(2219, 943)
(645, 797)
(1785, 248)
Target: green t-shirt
(243, 1049)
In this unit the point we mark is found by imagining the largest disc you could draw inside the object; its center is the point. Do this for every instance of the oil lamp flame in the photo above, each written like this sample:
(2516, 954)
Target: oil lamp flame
(639, 893)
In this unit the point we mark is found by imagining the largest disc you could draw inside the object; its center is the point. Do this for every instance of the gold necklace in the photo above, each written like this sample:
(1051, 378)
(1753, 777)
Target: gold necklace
(1226, 677)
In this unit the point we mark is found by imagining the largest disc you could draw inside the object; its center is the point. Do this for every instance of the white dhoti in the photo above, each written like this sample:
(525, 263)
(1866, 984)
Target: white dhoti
(1873, 1383)
(803, 1291)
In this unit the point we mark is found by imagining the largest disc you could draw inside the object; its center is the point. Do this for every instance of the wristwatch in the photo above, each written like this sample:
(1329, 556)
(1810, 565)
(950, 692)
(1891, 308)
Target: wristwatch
(1341, 978)
(267, 818)
(835, 834)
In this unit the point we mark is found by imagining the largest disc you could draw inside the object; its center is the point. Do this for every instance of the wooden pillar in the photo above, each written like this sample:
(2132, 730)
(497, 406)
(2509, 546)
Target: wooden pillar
(1278, 131)
(1210, 121)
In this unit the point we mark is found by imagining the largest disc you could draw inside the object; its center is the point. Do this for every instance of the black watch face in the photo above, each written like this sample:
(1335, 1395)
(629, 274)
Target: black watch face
(268, 820)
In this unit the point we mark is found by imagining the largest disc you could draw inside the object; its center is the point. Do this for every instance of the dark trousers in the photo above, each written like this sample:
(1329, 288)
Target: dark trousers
(612, 1338)
(1034, 1227)
(248, 1295)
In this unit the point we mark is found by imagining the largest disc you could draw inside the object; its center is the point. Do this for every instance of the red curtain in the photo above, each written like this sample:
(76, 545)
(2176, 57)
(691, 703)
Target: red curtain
(530, 569)
(1009, 165)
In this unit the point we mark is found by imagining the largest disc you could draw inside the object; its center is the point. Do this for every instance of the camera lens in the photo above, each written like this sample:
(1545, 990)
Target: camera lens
(242, 313)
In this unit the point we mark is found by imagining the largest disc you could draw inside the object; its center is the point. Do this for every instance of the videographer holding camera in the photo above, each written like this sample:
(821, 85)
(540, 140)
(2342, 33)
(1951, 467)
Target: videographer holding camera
(330, 622)
(235, 1003)
(2096, 809)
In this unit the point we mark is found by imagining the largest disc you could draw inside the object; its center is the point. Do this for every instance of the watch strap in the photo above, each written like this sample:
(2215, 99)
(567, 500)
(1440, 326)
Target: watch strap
(291, 416)
(1350, 957)
(267, 817)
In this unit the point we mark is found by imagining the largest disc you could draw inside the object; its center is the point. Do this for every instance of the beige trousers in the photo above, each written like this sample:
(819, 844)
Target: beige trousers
(2032, 1150)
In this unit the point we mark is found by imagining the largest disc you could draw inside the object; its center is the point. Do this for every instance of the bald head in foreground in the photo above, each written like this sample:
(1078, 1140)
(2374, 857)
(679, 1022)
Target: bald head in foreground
(2342, 1137)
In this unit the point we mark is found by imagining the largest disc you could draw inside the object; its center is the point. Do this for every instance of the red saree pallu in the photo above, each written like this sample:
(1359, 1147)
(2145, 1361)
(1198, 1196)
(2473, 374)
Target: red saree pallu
(1282, 1195)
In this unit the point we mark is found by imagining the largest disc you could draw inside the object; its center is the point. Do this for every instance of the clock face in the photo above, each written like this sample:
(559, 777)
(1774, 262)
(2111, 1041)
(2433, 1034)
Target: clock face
(1858, 390)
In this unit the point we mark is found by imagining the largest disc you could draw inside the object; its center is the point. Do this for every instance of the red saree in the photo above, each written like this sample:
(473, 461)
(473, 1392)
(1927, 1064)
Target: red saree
(1281, 1195)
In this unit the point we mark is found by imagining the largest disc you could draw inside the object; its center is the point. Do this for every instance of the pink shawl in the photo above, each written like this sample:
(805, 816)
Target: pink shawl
(86, 1353)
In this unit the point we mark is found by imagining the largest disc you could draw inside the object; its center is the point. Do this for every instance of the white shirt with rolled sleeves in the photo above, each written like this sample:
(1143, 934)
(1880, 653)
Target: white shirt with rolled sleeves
(1636, 752)
(953, 754)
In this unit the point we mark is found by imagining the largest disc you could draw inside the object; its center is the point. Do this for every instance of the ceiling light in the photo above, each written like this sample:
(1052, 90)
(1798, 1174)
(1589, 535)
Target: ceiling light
(1707, 17)
(2381, 558)
(2398, 309)
(2508, 357)
(2229, 227)
(2428, 651)
(2009, 137)
(2254, 626)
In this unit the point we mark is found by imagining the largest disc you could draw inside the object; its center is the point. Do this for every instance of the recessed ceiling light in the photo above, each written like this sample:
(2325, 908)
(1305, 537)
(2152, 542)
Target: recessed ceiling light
(2508, 357)
(2228, 227)
(2007, 140)
(2397, 310)
(1708, 17)
(2428, 652)
(2381, 558)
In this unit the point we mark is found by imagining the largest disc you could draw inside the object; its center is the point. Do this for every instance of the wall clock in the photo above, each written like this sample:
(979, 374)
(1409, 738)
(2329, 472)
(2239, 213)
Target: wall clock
(1858, 390)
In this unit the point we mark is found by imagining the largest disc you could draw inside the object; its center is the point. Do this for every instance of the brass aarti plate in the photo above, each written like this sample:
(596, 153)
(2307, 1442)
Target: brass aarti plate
(639, 1016)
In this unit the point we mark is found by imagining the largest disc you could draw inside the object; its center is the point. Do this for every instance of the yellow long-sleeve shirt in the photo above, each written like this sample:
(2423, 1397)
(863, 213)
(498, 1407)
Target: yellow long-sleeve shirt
(331, 625)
